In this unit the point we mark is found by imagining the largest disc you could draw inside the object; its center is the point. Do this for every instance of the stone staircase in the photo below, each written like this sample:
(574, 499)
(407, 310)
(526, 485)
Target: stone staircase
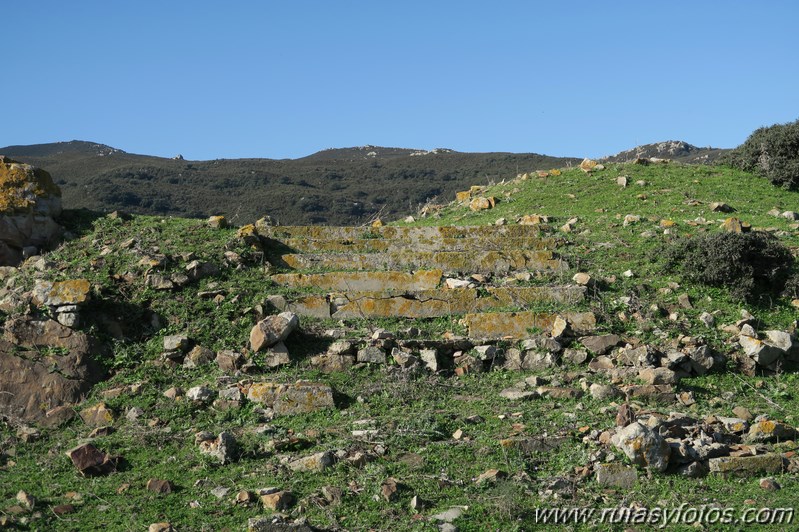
(481, 273)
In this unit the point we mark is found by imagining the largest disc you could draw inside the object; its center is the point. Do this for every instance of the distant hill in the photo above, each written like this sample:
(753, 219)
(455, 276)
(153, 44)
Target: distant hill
(676, 150)
(370, 152)
(336, 186)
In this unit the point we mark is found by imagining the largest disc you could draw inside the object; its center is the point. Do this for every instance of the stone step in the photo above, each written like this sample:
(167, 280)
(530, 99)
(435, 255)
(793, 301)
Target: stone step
(431, 303)
(314, 232)
(381, 245)
(465, 262)
(362, 281)
(519, 325)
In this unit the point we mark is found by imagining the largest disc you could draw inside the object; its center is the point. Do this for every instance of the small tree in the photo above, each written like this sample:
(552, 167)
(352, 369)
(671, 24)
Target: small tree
(771, 152)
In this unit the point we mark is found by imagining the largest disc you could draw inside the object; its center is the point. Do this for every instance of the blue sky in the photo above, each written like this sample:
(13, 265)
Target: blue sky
(287, 78)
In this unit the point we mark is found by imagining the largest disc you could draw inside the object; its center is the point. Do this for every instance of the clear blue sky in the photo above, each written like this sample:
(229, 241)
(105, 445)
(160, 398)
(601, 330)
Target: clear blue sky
(287, 78)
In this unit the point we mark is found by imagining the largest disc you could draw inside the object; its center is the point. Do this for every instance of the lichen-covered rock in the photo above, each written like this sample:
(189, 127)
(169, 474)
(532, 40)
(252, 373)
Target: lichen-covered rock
(29, 202)
(315, 462)
(644, 446)
(770, 431)
(480, 204)
(746, 465)
(56, 294)
(273, 330)
(287, 399)
(24, 188)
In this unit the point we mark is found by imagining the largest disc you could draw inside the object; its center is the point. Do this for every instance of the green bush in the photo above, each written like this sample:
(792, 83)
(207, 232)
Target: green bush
(771, 152)
(753, 266)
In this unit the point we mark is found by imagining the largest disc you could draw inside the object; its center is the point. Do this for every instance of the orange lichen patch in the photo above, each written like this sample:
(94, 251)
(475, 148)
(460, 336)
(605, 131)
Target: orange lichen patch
(217, 222)
(362, 281)
(463, 197)
(72, 292)
(523, 324)
(312, 306)
(287, 399)
(247, 231)
(495, 262)
(21, 185)
(97, 416)
(436, 303)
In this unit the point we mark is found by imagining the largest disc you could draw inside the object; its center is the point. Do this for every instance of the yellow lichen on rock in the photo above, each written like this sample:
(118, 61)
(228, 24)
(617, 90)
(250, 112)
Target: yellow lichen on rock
(463, 197)
(73, 292)
(588, 165)
(481, 204)
(22, 187)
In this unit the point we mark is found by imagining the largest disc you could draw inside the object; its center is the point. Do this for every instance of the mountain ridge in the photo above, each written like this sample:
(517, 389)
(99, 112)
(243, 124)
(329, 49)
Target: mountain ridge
(344, 186)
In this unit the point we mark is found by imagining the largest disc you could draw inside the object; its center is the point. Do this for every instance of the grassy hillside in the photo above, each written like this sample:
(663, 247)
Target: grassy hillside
(431, 434)
(343, 186)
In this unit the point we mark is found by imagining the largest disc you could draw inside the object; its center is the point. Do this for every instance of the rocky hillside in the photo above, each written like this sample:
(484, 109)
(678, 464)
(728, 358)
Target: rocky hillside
(340, 186)
(674, 150)
(529, 345)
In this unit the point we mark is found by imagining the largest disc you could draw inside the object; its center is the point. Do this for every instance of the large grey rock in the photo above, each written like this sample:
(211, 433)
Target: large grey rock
(223, 448)
(702, 359)
(761, 352)
(643, 446)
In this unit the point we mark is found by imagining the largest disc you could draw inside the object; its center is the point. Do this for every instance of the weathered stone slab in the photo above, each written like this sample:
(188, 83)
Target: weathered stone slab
(377, 245)
(746, 465)
(430, 303)
(494, 262)
(392, 232)
(525, 324)
(435, 303)
(59, 293)
(362, 281)
(311, 307)
(287, 399)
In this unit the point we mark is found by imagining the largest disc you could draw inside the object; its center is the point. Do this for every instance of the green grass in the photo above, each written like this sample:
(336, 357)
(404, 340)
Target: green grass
(415, 415)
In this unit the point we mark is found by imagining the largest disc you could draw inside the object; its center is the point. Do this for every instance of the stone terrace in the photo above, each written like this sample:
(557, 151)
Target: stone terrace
(496, 277)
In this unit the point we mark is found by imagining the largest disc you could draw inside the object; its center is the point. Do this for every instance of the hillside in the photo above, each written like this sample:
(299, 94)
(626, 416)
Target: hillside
(469, 369)
(341, 186)
(674, 150)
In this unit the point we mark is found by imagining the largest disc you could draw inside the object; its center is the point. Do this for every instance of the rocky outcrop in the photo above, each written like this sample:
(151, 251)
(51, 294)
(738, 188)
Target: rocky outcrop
(44, 365)
(29, 202)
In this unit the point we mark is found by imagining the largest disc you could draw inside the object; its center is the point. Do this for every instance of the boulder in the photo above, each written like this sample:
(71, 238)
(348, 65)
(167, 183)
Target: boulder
(223, 448)
(44, 365)
(29, 202)
(273, 330)
(644, 446)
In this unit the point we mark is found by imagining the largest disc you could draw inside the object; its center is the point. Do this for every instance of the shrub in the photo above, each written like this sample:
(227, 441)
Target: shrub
(771, 152)
(753, 266)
